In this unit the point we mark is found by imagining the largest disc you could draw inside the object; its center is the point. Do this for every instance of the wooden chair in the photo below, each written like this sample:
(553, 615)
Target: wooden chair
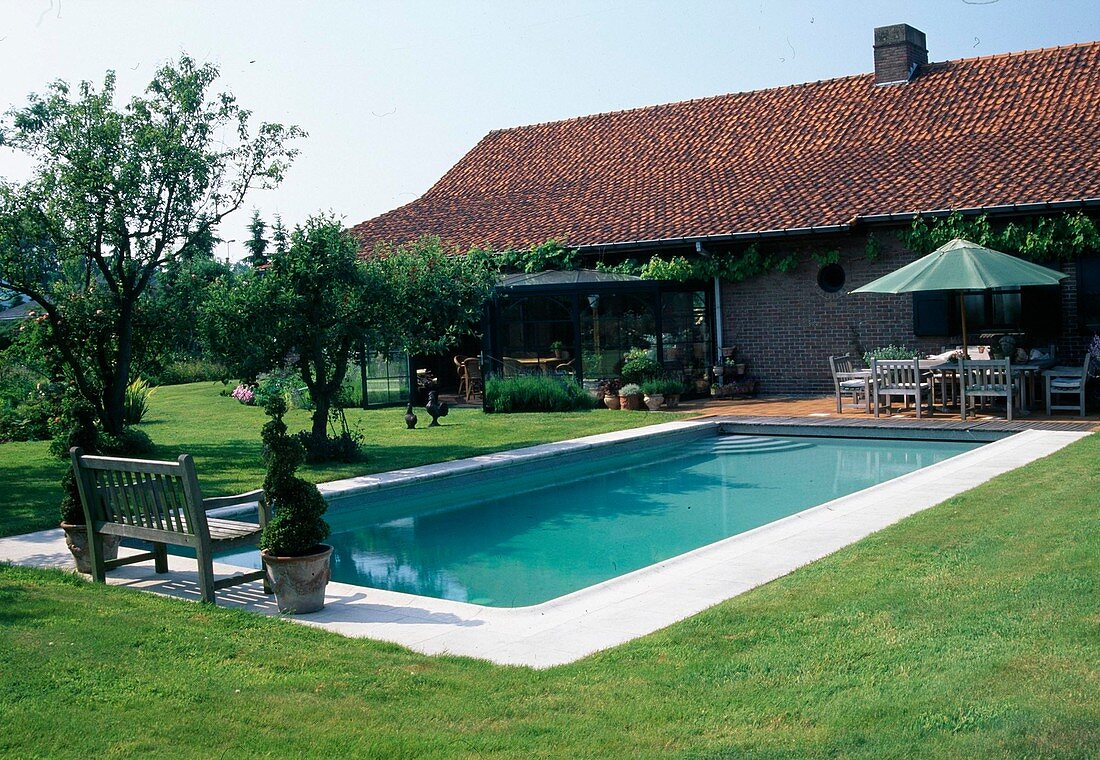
(460, 368)
(160, 502)
(900, 377)
(564, 369)
(986, 379)
(1067, 381)
(849, 378)
(474, 383)
(512, 367)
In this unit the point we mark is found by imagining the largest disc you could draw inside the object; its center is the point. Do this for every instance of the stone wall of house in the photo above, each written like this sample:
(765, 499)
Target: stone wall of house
(786, 327)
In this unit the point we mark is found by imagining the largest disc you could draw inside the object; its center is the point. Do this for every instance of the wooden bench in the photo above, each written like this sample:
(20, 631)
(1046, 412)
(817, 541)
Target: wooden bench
(160, 502)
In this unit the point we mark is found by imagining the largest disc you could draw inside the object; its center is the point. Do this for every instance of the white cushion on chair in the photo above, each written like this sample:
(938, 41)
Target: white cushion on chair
(1066, 383)
(859, 384)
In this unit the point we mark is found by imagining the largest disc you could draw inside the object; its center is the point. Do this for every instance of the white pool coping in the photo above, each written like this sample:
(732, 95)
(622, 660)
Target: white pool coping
(570, 627)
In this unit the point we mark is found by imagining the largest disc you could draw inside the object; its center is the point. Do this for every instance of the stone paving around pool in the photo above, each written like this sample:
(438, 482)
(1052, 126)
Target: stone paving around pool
(610, 613)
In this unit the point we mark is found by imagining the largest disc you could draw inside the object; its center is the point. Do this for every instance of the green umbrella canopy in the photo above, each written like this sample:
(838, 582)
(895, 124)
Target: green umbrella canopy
(962, 265)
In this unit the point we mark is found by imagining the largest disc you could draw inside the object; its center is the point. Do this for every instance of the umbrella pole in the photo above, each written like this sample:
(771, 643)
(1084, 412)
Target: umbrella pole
(965, 357)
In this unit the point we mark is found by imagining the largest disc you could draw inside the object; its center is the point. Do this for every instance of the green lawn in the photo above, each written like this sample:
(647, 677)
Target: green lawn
(969, 630)
(224, 437)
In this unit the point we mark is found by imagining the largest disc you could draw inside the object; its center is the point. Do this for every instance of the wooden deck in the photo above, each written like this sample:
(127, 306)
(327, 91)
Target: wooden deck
(821, 411)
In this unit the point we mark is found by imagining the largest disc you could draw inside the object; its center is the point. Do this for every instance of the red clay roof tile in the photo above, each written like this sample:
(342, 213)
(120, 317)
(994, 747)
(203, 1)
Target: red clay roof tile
(998, 130)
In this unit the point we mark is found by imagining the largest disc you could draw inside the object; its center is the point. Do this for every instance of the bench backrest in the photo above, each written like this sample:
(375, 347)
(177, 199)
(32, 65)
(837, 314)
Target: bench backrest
(143, 494)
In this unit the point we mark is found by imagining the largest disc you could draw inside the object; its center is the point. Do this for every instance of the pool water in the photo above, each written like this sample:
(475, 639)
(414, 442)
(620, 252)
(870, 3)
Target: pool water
(535, 533)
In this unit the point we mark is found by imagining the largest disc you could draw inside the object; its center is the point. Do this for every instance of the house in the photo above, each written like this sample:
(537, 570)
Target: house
(822, 176)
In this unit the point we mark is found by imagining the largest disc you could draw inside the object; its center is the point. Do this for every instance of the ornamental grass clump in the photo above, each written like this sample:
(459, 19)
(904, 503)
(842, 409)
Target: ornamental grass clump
(297, 528)
(533, 393)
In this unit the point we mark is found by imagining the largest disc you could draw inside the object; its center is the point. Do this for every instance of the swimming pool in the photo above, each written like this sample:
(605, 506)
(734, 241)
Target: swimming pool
(522, 535)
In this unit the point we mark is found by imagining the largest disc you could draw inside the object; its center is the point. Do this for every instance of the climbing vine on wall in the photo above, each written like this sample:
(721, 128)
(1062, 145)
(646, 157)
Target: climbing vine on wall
(1044, 238)
(726, 265)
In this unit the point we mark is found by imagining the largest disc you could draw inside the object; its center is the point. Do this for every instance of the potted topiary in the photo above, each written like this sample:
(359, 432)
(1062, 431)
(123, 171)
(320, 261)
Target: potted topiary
(630, 397)
(557, 347)
(76, 529)
(76, 427)
(295, 560)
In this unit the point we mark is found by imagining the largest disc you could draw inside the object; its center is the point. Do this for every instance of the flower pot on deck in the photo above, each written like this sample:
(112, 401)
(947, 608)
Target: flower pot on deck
(299, 582)
(672, 400)
(631, 403)
(653, 402)
(76, 538)
(611, 401)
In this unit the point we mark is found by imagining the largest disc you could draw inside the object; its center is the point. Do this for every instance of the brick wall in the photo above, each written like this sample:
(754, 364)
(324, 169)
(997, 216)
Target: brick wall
(786, 327)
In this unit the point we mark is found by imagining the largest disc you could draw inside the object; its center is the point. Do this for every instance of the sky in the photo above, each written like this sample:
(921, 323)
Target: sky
(392, 94)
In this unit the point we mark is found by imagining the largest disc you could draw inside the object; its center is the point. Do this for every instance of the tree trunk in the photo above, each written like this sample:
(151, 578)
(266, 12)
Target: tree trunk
(322, 403)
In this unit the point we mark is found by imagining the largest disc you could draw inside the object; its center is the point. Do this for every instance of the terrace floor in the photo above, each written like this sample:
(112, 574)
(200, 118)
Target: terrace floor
(821, 410)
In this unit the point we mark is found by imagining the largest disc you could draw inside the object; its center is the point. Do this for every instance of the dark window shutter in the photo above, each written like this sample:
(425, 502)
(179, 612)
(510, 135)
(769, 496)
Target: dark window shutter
(931, 314)
(1041, 311)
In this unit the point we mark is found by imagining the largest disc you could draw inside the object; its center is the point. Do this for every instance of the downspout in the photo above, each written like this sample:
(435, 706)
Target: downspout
(717, 307)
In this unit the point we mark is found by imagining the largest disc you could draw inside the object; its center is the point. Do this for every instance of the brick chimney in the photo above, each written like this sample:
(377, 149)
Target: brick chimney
(899, 51)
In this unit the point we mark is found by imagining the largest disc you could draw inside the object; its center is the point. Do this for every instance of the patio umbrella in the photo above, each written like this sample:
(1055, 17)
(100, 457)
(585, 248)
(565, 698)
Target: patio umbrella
(961, 265)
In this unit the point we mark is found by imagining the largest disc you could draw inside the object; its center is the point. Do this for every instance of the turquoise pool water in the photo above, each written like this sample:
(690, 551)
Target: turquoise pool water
(533, 533)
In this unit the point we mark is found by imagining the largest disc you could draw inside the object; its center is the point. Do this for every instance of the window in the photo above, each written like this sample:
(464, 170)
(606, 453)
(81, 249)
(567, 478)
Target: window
(1036, 311)
(830, 278)
(1088, 293)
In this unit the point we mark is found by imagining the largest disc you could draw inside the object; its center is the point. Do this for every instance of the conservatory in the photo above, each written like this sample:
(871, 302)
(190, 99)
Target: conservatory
(582, 323)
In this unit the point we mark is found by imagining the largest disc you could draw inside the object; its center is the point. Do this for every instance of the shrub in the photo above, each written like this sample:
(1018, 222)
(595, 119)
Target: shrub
(297, 527)
(136, 403)
(131, 442)
(890, 352)
(244, 394)
(189, 371)
(532, 393)
(639, 366)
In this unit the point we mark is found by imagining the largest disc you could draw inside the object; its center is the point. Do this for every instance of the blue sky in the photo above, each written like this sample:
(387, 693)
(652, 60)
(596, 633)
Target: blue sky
(394, 93)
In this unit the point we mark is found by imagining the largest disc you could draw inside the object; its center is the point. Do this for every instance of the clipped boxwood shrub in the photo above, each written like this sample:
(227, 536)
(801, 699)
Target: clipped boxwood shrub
(533, 393)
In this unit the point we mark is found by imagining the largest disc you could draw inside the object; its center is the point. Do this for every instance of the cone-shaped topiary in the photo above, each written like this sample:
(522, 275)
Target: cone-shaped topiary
(297, 527)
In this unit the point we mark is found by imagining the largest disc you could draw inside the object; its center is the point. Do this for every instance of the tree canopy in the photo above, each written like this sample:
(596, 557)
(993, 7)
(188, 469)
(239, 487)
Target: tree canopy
(116, 193)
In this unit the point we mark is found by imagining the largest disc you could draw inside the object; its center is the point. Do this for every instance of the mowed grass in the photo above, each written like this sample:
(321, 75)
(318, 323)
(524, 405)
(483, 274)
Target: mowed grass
(969, 630)
(224, 437)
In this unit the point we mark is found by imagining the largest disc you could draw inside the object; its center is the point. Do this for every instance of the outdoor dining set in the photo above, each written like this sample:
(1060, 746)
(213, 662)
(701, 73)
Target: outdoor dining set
(959, 380)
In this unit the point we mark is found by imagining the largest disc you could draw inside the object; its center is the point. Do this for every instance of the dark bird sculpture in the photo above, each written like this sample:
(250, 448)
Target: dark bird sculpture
(435, 408)
(410, 418)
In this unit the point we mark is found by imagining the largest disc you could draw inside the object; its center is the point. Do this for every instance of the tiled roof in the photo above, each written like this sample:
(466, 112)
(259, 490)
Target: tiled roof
(998, 130)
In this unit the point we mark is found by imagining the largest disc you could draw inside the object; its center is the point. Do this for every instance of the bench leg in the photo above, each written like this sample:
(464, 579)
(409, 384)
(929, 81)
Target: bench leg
(95, 548)
(206, 576)
(160, 558)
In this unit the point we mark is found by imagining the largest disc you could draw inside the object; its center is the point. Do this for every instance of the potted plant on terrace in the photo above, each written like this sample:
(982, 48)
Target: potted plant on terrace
(654, 391)
(630, 397)
(557, 347)
(295, 560)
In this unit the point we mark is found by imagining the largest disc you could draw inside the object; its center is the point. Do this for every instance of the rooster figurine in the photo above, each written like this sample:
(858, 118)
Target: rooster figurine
(435, 408)
(410, 418)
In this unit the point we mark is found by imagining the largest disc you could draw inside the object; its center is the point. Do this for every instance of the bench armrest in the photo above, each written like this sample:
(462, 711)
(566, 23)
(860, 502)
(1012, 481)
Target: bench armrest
(232, 501)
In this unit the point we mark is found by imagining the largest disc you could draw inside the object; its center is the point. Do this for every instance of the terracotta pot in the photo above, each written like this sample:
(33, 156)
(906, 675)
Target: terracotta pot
(631, 403)
(653, 403)
(76, 538)
(299, 582)
(611, 401)
(672, 400)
